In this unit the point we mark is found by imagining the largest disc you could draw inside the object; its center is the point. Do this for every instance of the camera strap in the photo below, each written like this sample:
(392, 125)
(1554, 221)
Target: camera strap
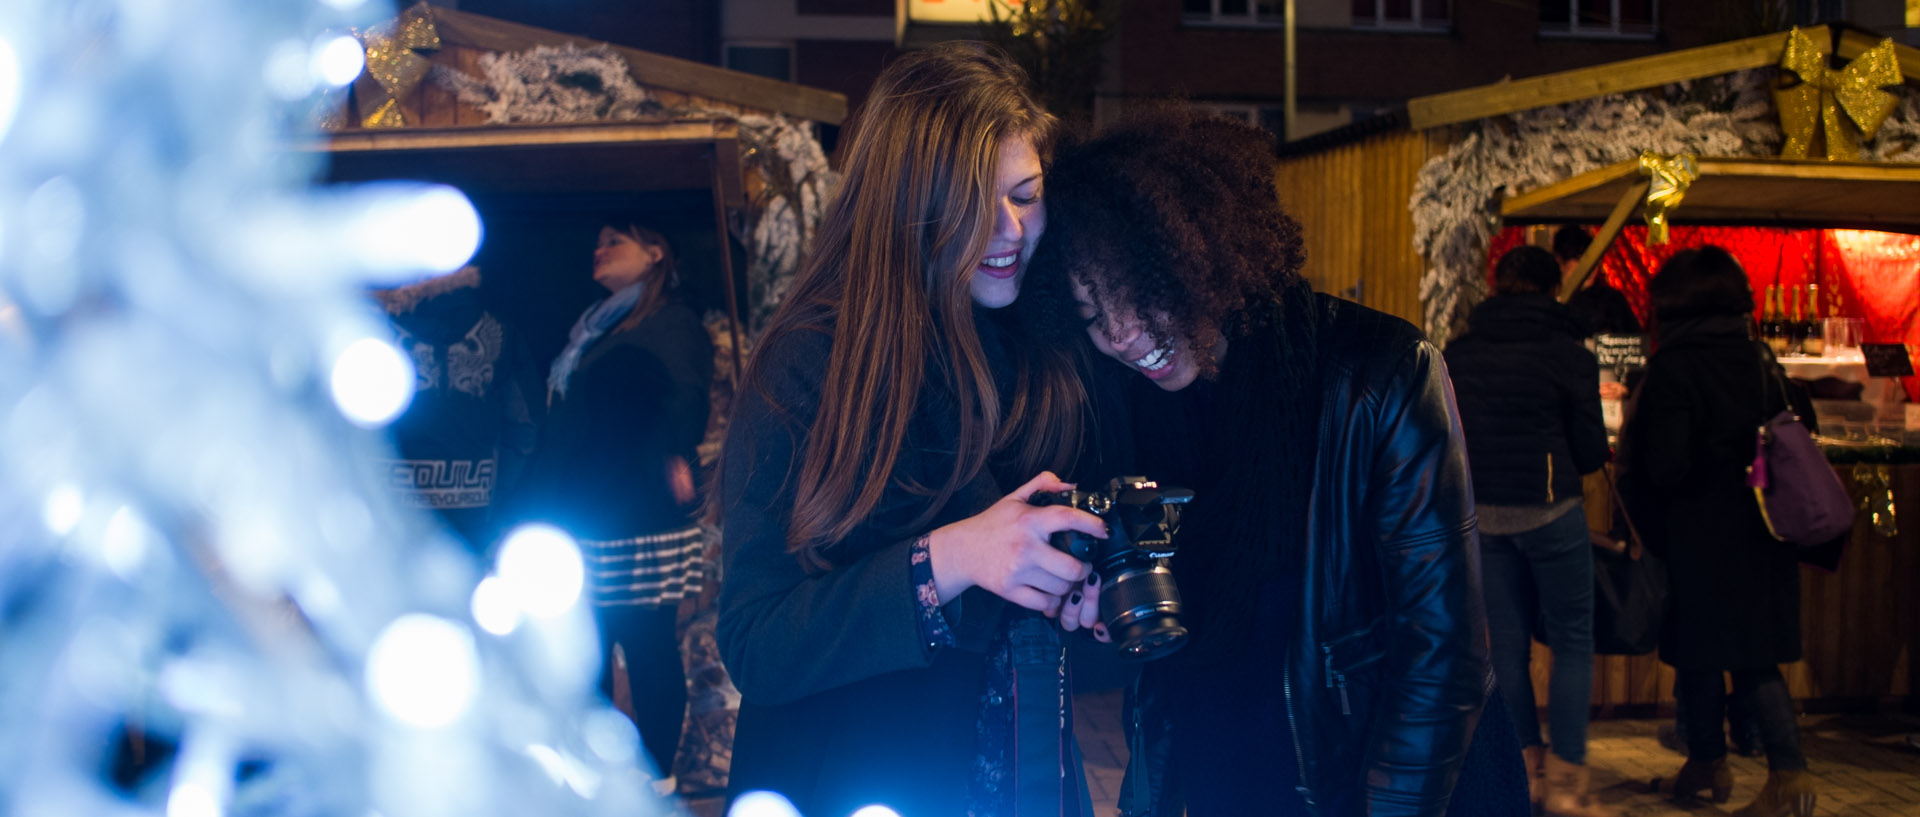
(1046, 773)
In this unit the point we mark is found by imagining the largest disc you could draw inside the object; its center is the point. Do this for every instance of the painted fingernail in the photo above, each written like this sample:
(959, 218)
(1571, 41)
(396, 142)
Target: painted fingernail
(1092, 578)
(1073, 599)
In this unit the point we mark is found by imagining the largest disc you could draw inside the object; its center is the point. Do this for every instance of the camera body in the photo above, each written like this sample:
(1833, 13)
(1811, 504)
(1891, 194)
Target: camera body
(1139, 602)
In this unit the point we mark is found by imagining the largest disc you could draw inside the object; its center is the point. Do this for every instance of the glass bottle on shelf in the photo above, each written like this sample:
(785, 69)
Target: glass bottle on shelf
(1773, 327)
(1816, 338)
(1796, 322)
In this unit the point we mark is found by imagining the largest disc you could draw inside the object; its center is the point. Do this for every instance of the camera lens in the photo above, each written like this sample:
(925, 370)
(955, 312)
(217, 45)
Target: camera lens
(1141, 608)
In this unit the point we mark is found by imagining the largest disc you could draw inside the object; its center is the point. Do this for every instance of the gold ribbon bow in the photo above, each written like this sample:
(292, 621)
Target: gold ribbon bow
(1846, 105)
(1669, 178)
(394, 66)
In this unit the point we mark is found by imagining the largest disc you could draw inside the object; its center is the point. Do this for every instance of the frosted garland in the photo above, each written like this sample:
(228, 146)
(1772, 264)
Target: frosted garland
(551, 84)
(572, 84)
(212, 603)
(1456, 201)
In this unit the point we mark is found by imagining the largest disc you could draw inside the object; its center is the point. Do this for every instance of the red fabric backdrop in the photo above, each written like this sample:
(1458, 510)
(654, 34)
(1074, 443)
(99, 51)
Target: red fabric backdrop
(1876, 275)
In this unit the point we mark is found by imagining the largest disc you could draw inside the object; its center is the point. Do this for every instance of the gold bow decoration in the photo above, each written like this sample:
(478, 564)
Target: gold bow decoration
(394, 66)
(1669, 179)
(1845, 105)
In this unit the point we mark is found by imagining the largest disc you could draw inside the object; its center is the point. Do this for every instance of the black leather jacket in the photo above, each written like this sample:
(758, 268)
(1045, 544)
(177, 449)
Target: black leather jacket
(1387, 670)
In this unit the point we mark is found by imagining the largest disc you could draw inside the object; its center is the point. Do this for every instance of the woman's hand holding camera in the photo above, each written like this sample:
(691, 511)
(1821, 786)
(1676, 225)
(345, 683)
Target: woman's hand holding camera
(1004, 549)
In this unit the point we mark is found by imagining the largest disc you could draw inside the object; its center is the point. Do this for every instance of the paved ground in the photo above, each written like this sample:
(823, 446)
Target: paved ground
(1865, 765)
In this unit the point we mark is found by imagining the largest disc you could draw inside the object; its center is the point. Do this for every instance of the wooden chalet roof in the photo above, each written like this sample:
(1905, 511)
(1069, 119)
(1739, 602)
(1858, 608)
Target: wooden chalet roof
(650, 69)
(1630, 75)
(1770, 192)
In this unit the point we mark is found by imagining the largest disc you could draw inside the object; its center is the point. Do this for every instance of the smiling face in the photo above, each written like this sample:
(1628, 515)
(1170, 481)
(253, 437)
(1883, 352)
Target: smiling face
(620, 260)
(1018, 220)
(1119, 333)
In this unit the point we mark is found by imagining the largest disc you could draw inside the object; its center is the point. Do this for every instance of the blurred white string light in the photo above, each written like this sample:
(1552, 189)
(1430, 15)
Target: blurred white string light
(338, 59)
(372, 382)
(62, 510)
(206, 551)
(408, 230)
(9, 84)
(762, 804)
(493, 607)
(541, 570)
(876, 811)
(423, 671)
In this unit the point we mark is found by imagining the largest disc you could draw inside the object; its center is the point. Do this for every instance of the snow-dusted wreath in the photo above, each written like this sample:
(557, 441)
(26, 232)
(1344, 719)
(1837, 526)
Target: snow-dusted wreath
(1456, 201)
(573, 84)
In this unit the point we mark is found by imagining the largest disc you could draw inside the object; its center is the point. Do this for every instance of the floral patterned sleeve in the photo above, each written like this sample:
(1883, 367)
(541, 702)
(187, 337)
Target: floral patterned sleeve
(933, 624)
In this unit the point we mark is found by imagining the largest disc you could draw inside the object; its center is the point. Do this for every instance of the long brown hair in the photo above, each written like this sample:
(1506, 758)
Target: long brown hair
(888, 278)
(665, 275)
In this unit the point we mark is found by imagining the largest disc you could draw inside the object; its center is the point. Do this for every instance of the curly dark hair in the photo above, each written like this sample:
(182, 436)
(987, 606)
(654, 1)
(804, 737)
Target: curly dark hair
(1173, 211)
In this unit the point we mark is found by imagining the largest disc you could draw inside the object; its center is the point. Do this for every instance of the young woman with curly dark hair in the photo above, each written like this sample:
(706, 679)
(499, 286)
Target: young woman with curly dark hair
(879, 571)
(1338, 663)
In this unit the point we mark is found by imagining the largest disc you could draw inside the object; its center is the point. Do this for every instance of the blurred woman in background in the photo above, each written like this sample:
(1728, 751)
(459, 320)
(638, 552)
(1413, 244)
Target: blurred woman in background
(627, 407)
(1735, 589)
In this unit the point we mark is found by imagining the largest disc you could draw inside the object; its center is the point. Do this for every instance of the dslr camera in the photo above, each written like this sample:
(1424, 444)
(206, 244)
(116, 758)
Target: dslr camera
(1139, 602)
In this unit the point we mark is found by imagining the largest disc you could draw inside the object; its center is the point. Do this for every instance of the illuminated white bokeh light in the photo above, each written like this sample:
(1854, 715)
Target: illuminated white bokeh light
(411, 229)
(338, 59)
(190, 799)
(493, 607)
(344, 5)
(289, 71)
(423, 670)
(61, 512)
(372, 382)
(9, 84)
(876, 811)
(612, 736)
(124, 544)
(762, 804)
(541, 570)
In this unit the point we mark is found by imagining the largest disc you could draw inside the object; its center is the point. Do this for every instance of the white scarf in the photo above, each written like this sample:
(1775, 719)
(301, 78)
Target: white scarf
(602, 316)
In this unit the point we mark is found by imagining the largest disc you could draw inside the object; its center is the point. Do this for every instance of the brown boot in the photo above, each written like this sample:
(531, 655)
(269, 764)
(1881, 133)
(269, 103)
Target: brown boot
(1784, 793)
(1536, 757)
(1567, 794)
(1696, 775)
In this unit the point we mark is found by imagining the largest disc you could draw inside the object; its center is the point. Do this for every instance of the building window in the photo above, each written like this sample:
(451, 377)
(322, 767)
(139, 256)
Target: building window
(770, 61)
(1599, 18)
(1234, 12)
(1403, 15)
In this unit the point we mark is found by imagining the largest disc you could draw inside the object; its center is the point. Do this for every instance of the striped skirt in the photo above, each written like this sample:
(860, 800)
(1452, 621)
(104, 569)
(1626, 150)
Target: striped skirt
(654, 570)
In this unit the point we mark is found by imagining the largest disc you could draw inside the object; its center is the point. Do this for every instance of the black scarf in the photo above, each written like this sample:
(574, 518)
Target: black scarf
(1246, 443)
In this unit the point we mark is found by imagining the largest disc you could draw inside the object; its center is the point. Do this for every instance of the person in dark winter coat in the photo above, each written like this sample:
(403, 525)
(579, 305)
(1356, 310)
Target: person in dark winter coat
(1530, 404)
(1326, 565)
(888, 586)
(1598, 308)
(1735, 589)
(465, 439)
(628, 406)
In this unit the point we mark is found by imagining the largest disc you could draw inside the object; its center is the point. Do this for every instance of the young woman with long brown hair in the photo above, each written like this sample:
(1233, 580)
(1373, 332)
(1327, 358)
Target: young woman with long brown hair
(876, 566)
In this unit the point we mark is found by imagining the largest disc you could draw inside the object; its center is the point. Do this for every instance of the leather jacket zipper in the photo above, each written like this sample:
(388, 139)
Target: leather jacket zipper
(1286, 693)
(1336, 678)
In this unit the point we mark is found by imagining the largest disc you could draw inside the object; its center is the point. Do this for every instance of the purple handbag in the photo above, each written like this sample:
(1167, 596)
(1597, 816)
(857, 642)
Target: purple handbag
(1801, 498)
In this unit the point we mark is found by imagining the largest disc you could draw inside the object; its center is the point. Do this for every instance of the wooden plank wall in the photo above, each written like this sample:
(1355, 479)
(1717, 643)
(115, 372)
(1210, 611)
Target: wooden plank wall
(1351, 202)
(1859, 625)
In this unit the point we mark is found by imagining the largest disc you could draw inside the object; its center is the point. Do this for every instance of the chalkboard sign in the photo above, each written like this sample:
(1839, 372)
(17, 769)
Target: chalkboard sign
(1621, 350)
(1887, 359)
